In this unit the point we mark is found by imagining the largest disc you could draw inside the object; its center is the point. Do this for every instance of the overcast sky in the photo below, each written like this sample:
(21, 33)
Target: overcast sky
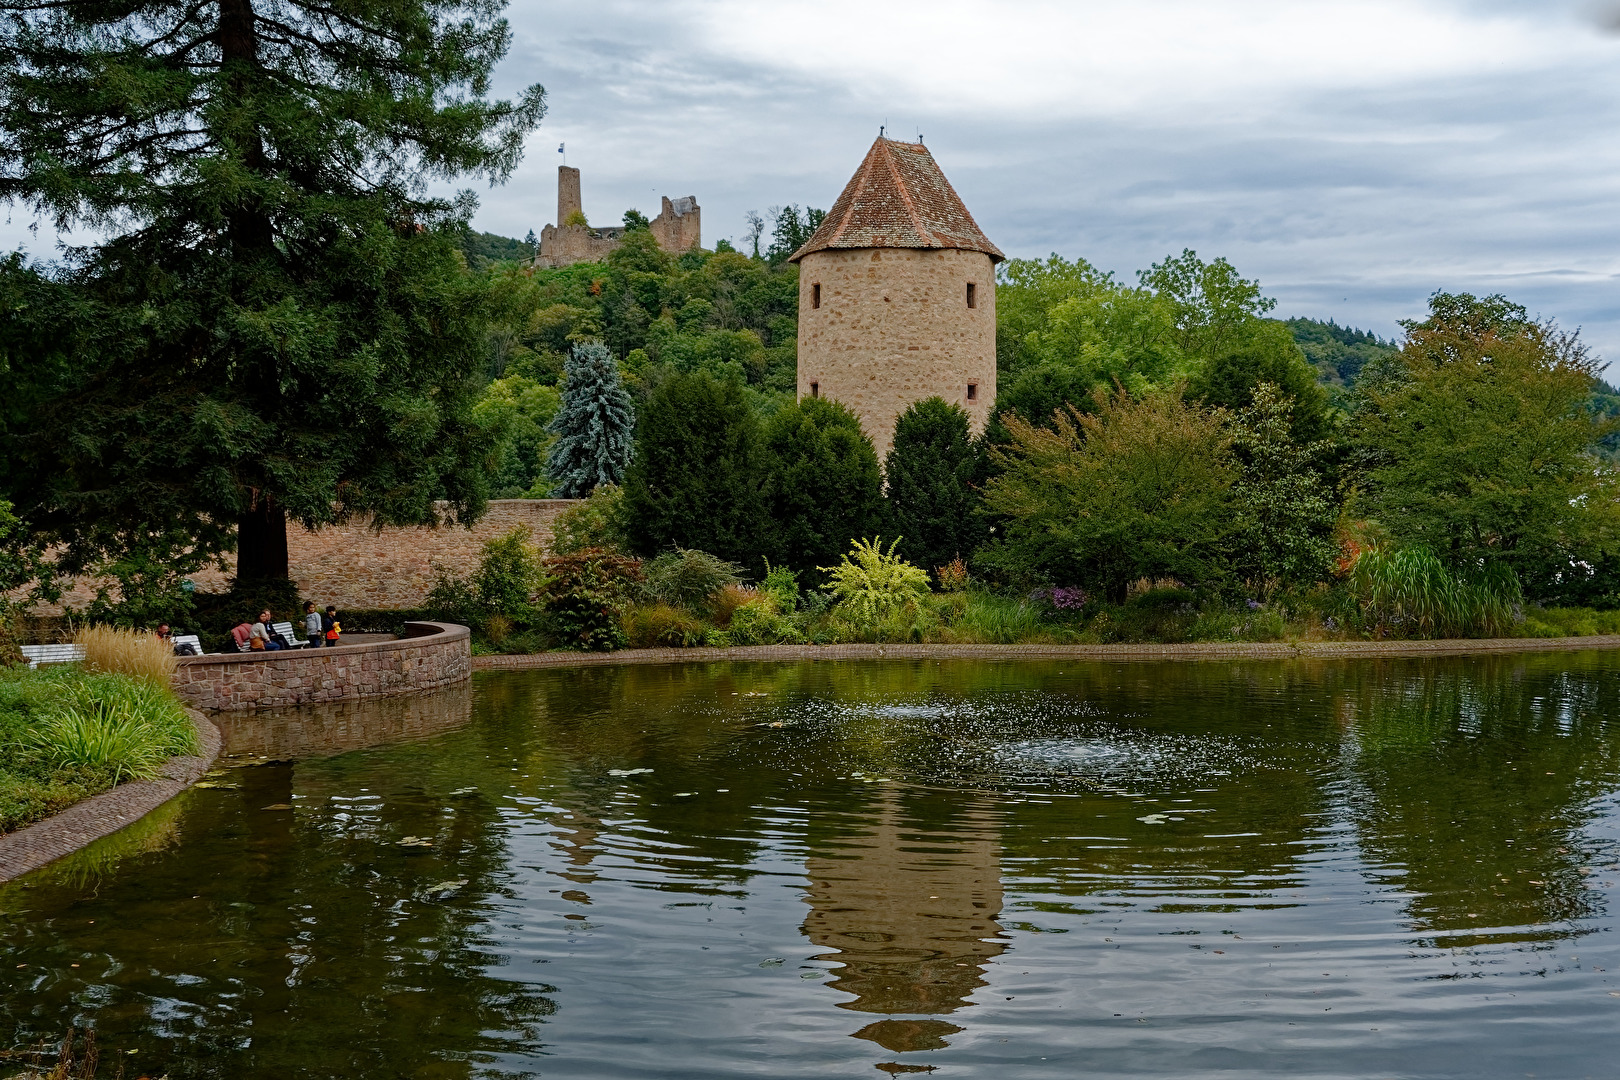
(1353, 155)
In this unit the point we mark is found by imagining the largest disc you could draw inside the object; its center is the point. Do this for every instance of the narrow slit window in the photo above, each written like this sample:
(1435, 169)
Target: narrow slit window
(815, 295)
(973, 389)
(815, 389)
(973, 295)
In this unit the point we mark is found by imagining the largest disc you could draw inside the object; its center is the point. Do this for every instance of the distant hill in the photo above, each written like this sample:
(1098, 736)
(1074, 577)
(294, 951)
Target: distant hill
(482, 249)
(1338, 353)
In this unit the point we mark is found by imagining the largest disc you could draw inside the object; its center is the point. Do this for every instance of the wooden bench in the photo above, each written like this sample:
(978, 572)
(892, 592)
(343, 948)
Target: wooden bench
(284, 630)
(52, 654)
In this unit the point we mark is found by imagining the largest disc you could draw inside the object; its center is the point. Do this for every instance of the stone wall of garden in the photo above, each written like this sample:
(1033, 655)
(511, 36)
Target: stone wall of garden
(432, 655)
(357, 566)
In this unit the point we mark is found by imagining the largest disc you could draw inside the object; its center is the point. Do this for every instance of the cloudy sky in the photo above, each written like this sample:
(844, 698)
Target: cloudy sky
(1354, 155)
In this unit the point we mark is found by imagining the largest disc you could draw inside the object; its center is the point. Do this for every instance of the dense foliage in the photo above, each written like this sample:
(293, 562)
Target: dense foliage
(278, 324)
(932, 471)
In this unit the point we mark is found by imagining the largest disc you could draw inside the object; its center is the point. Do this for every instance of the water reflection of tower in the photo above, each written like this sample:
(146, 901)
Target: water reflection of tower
(910, 908)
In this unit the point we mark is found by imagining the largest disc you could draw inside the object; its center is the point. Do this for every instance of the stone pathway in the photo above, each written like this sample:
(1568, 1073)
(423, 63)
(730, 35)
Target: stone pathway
(102, 815)
(1326, 650)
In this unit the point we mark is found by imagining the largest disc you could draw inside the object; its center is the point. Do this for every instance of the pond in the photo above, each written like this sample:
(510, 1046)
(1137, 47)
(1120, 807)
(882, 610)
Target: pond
(1322, 869)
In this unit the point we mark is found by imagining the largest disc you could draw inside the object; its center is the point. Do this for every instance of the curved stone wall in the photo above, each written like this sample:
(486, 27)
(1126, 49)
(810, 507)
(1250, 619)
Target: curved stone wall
(429, 656)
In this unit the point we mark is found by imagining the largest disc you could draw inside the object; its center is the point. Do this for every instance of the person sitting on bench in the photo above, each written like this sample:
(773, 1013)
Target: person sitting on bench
(262, 632)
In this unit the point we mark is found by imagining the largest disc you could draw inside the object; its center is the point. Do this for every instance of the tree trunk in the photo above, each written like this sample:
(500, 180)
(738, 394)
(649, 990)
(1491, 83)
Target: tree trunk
(261, 542)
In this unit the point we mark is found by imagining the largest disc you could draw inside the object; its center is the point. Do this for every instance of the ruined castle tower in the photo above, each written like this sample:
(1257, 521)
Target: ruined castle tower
(677, 228)
(897, 296)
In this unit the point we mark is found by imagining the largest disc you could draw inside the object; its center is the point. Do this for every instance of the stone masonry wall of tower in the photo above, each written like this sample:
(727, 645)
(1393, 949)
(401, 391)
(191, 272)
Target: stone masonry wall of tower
(894, 327)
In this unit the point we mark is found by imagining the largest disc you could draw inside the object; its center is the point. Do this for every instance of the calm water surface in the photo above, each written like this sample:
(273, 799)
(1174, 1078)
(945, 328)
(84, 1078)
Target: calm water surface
(1302, 869)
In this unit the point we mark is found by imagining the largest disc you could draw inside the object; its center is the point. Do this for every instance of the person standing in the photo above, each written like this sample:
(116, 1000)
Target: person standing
(330, 628)
(313, 629)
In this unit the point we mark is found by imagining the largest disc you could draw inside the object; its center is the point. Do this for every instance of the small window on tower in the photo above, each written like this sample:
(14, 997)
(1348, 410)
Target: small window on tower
(973, 299)
(815, 295)
(815, 389)
(973, 391)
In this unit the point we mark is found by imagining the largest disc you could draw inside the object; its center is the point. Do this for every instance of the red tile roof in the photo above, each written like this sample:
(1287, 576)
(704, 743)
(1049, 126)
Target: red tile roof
(898, 198)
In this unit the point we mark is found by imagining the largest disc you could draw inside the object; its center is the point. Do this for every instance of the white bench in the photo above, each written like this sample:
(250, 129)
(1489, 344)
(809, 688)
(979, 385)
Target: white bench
(52, 654)
(285, 631)
(188, 639)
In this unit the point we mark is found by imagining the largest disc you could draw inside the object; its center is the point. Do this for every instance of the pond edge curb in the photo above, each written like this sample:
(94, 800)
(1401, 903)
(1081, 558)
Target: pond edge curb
(1276, 650)
(83, 823)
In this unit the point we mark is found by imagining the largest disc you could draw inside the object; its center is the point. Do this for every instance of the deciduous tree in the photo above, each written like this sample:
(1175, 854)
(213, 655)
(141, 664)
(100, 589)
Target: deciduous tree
(1141, 488)
(1480, 439)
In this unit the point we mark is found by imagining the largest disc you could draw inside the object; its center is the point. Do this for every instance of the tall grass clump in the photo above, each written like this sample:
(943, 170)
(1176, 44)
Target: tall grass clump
(116, 651)
(123, 725)
(1410, 592)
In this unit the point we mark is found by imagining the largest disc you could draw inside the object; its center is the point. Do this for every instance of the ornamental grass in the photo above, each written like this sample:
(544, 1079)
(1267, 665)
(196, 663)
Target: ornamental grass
(127, 652)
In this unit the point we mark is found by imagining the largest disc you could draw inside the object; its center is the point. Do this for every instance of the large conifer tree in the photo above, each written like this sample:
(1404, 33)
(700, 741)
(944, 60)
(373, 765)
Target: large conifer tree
(932, 470)
(594, 425)
(275, 323)
(824, 488)
(698, 474)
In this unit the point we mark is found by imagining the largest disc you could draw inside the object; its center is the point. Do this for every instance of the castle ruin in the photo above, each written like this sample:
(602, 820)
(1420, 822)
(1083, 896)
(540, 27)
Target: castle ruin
(677, 228)
(897, 296)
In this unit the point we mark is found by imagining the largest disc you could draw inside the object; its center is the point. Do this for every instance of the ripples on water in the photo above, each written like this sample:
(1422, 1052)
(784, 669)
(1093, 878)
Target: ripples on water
(1179, 870)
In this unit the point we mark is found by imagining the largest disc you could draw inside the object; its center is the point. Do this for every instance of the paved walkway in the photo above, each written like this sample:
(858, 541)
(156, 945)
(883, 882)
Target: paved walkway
(1280, 650)
(102, 815)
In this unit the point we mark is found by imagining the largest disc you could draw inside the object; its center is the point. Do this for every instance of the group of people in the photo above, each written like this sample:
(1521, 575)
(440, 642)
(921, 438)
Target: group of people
(261, 636)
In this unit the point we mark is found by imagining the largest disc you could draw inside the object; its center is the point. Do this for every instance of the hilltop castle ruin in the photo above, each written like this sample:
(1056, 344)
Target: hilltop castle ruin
(677, 228)
(897, 296)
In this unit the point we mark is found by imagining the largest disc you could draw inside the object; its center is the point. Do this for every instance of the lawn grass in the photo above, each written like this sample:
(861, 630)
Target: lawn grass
(67, 733)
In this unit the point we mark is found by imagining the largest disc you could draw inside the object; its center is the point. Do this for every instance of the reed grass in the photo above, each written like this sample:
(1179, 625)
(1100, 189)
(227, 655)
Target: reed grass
(1410, 592)
(127, 652)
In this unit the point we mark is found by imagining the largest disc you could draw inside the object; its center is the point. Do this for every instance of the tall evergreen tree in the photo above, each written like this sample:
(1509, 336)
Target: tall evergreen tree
(277, 324)
(697, 476)
(932, 470)
(594, 425)
(824, 488)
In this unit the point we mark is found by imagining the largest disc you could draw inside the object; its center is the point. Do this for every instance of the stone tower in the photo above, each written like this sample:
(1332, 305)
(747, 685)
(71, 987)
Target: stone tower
(897, 296)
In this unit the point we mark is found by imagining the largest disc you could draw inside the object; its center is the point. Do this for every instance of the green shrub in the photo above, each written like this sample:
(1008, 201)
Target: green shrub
(586, 596)
(761, 622)
(594, 523)
(507, 576)
(688, 578)
(875, 585)
(783, 586)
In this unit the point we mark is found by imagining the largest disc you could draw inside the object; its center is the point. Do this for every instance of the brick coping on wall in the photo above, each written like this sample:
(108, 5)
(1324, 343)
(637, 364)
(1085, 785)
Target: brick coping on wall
(1325, 650)
(83, 823)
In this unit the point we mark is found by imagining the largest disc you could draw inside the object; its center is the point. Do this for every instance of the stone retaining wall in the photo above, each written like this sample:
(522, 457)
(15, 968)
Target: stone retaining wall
(431, 655)
(356, 566)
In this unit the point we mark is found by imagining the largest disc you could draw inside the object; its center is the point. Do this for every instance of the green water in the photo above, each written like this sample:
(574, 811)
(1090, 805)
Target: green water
(1300, 869)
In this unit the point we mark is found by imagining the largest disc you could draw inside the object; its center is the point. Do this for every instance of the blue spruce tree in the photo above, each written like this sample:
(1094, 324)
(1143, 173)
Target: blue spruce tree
(594, 425)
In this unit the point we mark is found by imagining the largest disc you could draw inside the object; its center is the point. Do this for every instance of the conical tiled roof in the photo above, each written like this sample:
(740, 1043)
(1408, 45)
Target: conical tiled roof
(898, 198)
